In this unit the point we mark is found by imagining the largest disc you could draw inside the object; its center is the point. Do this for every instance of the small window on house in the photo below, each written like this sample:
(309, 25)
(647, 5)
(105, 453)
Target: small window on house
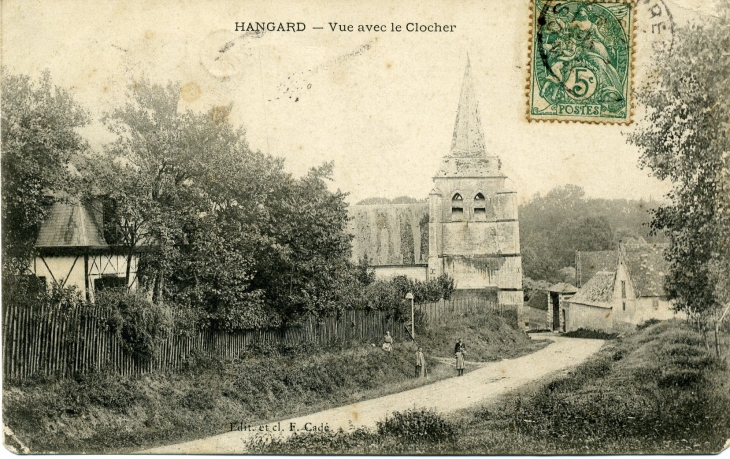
(109, 281)
(655, 303)
(623, 289)
(624, 304)
(480, 209)
(457, 207)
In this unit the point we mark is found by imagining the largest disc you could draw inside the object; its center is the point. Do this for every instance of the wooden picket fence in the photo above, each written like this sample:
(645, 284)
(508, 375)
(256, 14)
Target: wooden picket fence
(50, 342)
(460, 306)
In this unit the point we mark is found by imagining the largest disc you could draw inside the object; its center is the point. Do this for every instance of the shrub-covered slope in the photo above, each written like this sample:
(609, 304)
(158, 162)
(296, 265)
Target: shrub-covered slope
(108, 413)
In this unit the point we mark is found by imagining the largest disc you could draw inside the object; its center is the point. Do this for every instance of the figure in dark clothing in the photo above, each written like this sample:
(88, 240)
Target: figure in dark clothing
(459, 352)
(420, 364)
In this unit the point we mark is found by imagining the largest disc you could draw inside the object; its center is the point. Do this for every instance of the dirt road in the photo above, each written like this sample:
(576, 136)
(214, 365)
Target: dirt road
(483, 384)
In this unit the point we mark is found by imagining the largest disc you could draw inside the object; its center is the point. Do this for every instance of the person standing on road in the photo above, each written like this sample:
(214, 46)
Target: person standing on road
(420, 364)
(459, 352)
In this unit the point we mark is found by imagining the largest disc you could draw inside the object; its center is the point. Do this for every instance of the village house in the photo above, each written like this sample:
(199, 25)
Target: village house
(72, 250)
(628, 295)
(468, 228)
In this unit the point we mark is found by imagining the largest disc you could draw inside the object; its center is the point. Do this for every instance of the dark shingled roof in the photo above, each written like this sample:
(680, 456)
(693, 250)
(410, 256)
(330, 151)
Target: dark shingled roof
(69, 224)
(647, 268)
(589, 263)
(562, 287)
(598, 291)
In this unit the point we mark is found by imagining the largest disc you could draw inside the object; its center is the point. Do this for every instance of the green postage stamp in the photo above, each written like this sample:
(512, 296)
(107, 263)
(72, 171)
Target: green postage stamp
(580, 63)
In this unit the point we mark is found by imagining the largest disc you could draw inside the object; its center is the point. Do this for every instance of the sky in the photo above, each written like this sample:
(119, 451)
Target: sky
(382, 106)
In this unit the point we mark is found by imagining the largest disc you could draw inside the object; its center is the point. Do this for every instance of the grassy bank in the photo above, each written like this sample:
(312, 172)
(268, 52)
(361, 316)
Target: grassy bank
(107, 413)
(658, 391)
(487, 338)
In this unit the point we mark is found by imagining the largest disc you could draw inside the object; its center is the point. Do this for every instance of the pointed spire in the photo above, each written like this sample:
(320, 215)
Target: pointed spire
(468, 138)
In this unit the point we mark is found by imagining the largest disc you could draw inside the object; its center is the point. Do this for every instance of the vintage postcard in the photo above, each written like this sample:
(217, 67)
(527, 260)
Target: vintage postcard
(365, 228)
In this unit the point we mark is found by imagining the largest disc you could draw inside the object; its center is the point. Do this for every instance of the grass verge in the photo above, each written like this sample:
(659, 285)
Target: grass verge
(657, 391)
(102, 413)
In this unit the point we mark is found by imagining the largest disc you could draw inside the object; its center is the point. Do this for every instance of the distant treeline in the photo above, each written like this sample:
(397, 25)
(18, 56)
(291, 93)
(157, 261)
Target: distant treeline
(554, 226)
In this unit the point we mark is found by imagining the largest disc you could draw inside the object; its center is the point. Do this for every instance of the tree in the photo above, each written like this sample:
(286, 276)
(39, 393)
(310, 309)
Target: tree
(225, 232)
(139, 179)
(553, 227)
(39, 138)
(308, 265)
(684, 138)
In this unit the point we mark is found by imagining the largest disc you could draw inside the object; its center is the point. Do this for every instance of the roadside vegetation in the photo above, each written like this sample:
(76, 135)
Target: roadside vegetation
(104, 413)
(657, 391)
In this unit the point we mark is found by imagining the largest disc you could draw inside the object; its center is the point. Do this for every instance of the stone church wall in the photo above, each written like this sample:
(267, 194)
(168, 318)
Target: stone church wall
(390, 234)
(481, 238)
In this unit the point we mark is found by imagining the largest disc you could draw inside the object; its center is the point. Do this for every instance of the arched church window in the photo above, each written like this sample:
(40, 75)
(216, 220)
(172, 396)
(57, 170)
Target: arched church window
(480, 208)
(457, 207)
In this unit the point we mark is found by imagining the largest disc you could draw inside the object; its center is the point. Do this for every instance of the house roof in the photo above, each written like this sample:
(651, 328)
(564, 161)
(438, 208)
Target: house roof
(647, 268)
(70, 224)
(598, 291)
(589, 263)
(562, 287)
(538, 300)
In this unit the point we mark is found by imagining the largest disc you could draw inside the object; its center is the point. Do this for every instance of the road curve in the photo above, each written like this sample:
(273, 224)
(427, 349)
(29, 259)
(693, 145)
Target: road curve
(484, 384)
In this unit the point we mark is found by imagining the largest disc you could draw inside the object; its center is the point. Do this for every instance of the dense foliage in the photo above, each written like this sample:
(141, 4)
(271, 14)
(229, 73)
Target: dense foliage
(141, 325)
(223, 232)
(39, 137)
(554, 226)
(685, 138)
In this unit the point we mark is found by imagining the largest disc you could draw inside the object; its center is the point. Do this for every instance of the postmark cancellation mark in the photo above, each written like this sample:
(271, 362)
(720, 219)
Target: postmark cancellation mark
(580, 61)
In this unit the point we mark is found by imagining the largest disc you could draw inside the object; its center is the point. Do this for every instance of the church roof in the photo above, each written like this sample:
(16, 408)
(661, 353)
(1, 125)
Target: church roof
(70, 224)
(468, 138)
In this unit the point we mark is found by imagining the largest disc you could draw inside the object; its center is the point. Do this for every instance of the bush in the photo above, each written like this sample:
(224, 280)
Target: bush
(417, 425)
(139, 323)
(391, 294)
(590, 334)
(647, 323)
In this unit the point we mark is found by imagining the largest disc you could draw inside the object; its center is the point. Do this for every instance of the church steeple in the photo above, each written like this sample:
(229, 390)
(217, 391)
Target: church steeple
(468, 138)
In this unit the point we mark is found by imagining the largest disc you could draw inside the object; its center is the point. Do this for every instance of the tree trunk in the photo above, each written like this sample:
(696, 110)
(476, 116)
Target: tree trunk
(157, 289)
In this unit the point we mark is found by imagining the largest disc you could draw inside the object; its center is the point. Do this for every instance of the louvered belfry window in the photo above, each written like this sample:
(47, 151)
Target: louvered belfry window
(480, 208)
(457, 207)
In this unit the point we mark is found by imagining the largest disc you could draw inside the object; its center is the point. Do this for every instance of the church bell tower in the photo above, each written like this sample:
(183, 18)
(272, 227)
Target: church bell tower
(474, 232)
